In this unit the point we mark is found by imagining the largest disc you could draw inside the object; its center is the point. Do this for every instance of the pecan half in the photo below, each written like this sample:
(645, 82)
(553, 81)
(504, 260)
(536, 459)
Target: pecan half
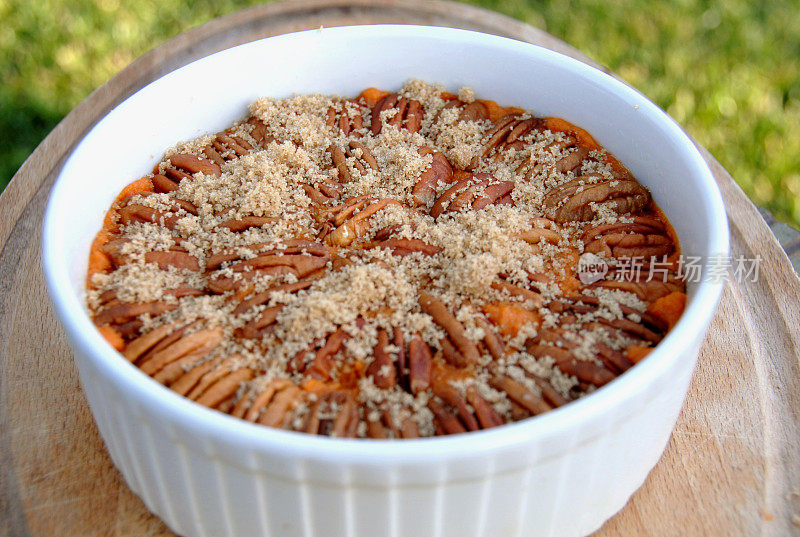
(569, 364)
(135, 213)
(644, 237)
(491, 339)
(139, 346)
(440, 170)
(123, 312)
(631, 245)
(515, 290)
(419, 365)
(436, 309)
(357, 225)
(399, 341)
(452, 355)
(166, 259)
(446, 421)
(194, 164)
(403, 247)
(256, 327)
(207, 338)
(408, 114)
(382, 369)
(259, 132)
(385, 426)
(278, 411)
(542, 229)
(508, 133)
(163, 184)
(531, 166)
(474, 192)
(322, 365)
(219, 385)
(229, 146)
(647, 291)
(573, 200)
(298, 265)
(255, 400)
(452, 397)
(344, 423)
(474, 111)
(292, 246)
(484, 411)
(356, 152)
(345, 118)
(246, 222)
(586, 304)
(521, 395)
(264, 296)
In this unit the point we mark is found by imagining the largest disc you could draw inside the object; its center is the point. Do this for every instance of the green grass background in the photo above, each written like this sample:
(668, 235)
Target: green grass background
(729, 72)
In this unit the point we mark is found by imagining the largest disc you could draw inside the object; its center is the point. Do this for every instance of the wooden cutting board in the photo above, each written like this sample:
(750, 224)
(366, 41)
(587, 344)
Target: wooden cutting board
(731, 468)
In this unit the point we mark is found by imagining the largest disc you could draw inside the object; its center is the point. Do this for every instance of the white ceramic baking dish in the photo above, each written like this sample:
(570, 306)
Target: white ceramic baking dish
(207, 474)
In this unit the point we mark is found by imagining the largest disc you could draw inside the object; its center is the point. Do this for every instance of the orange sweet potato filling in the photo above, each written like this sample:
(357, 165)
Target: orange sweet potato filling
(637, 353)
(98, 260)
(510, 318)
(668, 308)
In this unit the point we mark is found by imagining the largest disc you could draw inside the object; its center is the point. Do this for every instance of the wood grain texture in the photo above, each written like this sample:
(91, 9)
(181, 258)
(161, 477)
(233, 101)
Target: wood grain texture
(731, 468)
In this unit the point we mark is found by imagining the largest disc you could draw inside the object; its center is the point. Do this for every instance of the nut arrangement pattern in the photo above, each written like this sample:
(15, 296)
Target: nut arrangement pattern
(394, 265)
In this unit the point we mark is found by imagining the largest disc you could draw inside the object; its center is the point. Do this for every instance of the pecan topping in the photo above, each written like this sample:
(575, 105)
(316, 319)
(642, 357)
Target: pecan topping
(436, 309)
(208, 338)
(573, 200)
(508, 131)
(260, 133)
(246, 222)
(409, 246)
(120, 313)
(162, 183)
(585, 371)
(408, 113)
(450, 395)
(445, 418)
(277, 413)
(644, 237)
(474, 192)
(424, 191)
(520, 394)
(419, 365)
(298, 265)
(474, 111)
(356, 151)
(543, 229)
(357, 225)
(382, 368)
(194, 164)
(347, 119)
(180, 260)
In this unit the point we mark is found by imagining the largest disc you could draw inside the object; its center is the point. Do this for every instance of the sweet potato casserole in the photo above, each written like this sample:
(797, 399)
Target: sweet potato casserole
(395, 265)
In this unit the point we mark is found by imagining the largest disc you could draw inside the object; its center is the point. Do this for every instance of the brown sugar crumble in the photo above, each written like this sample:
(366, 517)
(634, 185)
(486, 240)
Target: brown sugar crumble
(392, 265)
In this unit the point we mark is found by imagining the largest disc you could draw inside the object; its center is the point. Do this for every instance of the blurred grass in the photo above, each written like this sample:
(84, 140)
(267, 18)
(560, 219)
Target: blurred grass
(729, 72)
